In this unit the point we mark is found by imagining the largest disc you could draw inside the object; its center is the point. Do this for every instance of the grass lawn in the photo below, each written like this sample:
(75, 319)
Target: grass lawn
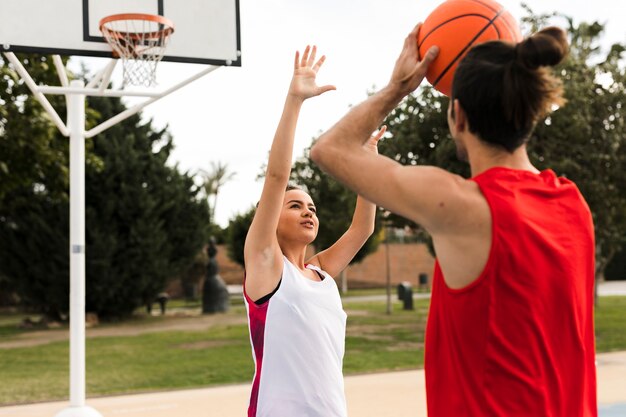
(129, 364)
(376, 341)
(168, 360)
(611, 324)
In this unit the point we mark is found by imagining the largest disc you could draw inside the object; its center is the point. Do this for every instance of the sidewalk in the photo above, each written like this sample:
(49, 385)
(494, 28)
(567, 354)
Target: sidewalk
(392, 394)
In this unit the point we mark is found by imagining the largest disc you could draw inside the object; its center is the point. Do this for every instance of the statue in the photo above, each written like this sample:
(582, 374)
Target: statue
(215, 297)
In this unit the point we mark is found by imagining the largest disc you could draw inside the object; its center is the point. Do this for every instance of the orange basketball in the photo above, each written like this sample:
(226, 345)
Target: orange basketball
(455, 27)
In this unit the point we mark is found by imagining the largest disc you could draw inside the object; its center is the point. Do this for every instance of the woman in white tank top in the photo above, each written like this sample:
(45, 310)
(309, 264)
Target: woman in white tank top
(296, 320)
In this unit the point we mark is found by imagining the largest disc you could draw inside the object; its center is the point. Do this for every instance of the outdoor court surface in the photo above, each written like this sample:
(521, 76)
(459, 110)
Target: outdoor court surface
(392, 394)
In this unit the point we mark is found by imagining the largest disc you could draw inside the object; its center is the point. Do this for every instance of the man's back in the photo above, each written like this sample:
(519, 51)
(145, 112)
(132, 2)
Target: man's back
(519, 340)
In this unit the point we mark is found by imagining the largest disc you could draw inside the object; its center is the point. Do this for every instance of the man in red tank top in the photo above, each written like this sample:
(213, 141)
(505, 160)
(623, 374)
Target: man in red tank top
(510, 329)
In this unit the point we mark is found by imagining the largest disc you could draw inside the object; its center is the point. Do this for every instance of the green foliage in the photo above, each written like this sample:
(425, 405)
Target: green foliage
(130, 364)
(236, 235)
(616, 269)
(144, 221)
(31, 149)
(334, 203)
(192, 276)
(34, 250)
(218, 233)
(33, 184)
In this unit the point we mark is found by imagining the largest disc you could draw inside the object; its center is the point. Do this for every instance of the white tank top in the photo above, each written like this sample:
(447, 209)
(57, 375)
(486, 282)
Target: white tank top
(298, 342)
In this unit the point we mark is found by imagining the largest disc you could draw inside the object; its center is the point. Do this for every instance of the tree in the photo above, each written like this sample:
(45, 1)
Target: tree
(34, 250)
(585, 140)
(31, 150)
(214, 291)
(145, 223)
(616, 269)
(236, 234)
(213, 180)
(147, 219)
(34, 180)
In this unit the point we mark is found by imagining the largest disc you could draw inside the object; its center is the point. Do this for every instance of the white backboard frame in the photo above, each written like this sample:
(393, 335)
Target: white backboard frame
(206, 31)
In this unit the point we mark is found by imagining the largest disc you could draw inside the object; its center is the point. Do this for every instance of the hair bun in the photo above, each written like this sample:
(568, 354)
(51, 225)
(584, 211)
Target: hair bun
(547, 47)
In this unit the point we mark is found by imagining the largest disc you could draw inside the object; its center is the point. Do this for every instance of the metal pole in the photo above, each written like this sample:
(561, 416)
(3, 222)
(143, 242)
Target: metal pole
(106, 76)
(76, 127)
(98, 77)
(58, 63)
(95, 92)
(388, 265)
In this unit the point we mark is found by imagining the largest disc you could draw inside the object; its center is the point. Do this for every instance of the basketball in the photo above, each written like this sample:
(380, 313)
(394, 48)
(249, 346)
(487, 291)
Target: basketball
(455, 26)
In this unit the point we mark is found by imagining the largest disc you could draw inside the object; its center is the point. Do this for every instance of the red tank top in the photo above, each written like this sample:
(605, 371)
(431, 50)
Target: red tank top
(519, 341)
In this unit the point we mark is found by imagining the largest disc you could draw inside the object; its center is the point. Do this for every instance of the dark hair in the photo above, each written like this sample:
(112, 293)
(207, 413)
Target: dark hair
(505, 88)
(288, 188)
(293, 187)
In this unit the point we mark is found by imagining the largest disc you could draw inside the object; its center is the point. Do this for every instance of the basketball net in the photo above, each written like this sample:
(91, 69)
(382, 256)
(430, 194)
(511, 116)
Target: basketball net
(139, 40)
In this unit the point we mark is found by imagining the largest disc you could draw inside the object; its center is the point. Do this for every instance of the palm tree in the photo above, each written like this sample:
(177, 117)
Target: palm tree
(214, 291)
(213, 180)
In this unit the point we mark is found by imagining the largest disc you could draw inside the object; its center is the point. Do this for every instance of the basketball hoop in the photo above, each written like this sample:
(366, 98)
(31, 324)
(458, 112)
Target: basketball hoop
(140, 41)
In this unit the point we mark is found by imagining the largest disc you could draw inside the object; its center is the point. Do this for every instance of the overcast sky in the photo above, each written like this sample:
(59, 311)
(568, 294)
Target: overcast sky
(231, 114)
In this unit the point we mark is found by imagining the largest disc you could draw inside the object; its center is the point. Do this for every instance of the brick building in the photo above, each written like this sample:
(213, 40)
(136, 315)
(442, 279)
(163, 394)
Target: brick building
(406, 262)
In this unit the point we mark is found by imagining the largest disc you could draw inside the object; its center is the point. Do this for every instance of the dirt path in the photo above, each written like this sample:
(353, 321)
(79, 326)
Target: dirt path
(174, 321)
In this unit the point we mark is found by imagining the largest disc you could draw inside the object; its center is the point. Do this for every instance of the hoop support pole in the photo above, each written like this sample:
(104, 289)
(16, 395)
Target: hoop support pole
(98, 77)
(76, 124)
(38, 95)
(58, 63)
(106, 75)
(127, 113)
(95, 92)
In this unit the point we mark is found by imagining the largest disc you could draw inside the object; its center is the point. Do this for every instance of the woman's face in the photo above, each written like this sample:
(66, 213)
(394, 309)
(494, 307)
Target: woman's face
(298, 220)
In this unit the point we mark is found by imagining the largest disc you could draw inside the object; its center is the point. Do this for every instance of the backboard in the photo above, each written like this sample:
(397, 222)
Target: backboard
(206, 31)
